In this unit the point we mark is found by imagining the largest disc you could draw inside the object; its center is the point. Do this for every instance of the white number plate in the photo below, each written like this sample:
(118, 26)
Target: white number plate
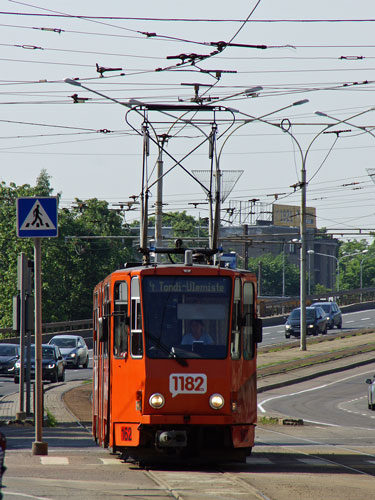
(187, 383)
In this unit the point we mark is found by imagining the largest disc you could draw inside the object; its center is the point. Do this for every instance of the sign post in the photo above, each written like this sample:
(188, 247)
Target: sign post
(37, 218)
(22, 271)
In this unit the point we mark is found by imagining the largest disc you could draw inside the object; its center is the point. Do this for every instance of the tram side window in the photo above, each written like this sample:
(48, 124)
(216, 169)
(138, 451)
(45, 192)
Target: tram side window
(96, 322)
(107, 315)
(120, 343)
(235, 345)
(248, 311)
(136, 342)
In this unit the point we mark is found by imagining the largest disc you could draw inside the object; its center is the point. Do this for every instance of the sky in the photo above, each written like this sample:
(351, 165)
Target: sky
(154, 53)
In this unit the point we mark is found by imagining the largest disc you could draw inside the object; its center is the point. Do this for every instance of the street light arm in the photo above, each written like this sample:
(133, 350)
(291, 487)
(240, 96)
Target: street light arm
(338, 121)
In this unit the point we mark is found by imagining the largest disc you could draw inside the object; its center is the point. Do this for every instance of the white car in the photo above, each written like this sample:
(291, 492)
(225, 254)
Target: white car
(73, 349)
(371, 393)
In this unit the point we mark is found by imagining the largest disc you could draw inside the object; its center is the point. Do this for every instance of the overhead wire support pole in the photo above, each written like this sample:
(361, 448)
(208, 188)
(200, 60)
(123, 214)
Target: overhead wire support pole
(159, 196)
(216, 222)
(144, 196)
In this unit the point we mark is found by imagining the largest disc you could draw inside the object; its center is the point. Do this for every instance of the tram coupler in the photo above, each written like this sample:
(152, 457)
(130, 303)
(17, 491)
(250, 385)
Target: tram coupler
(171, 439)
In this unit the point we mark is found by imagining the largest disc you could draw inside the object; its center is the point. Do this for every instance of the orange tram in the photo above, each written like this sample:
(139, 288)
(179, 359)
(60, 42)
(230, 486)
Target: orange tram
(161, 389)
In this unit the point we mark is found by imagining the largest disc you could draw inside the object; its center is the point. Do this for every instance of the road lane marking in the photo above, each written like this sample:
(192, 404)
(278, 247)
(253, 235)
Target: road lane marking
(111, 461)
(54, 460)
(260, 405)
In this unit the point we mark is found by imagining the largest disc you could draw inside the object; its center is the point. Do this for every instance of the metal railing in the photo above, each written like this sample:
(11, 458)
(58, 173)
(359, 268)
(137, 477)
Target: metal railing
(275, 306)
(56, 327)
(267, 307)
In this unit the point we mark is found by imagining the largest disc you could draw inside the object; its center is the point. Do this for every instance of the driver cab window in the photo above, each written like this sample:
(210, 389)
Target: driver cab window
(136, 343)
(235, 345)
(120, 344)
(248, 311)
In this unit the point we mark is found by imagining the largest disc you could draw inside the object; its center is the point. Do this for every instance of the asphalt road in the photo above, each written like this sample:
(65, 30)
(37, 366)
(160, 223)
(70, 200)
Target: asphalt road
(331, 458)
(337, 400)
(351, 321)
(7, 385)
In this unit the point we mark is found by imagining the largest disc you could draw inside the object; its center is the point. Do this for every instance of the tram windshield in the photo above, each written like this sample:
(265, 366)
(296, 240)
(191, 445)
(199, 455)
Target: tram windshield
(186, 316)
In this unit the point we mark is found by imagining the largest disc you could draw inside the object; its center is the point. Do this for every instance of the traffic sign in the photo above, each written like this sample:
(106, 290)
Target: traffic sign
(37, 217)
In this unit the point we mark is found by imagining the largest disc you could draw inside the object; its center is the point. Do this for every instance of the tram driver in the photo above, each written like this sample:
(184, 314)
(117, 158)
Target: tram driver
(197, 334)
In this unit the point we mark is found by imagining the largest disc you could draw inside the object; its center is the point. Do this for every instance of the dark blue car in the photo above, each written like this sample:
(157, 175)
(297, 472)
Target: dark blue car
(316, 322)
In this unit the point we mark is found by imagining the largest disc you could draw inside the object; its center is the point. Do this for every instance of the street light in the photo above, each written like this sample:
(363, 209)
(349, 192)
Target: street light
(338, 261)
(303, 185)
(311, 252)
(344, 257)
(360, 275)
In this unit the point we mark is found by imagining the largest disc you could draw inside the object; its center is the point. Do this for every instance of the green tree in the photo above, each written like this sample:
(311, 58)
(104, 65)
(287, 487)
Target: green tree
(72, 266)
(271, 279)
(351, 254)
(183, 225)
(10, 246)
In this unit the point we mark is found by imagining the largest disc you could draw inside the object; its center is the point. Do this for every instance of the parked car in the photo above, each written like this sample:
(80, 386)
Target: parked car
(332, 310)
(371, 393)
(9, 353)
(316, 322)
(53, 365)
(73, 348)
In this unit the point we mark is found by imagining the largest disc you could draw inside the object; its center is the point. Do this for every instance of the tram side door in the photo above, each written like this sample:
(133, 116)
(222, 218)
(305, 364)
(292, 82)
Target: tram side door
(103, 369)
(95, 388)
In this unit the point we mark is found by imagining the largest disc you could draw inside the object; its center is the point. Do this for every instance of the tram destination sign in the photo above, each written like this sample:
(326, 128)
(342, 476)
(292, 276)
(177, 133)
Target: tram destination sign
(37, 217)
(191, 285)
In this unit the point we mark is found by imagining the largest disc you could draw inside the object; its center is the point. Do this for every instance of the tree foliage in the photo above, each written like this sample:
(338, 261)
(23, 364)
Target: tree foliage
(71, 266)
(356, 260)
(272, 272)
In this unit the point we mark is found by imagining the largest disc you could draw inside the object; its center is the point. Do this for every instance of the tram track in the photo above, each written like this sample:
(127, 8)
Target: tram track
(200, 485)
(328, 447)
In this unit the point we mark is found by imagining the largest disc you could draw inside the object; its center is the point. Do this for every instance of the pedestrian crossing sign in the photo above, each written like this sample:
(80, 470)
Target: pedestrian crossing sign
(37, 217)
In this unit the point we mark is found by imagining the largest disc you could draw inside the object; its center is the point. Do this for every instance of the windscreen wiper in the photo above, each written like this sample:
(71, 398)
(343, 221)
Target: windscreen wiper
(163, 347)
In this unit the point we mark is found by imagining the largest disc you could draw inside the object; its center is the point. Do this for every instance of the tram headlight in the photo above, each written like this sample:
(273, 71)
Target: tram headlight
(216, 401)
(157, 401)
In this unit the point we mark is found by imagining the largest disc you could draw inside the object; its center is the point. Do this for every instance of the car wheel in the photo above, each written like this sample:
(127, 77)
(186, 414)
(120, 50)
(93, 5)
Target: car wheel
(339, 325)
(287, 336)
(86, 364)
(62, 378)
(76, 364)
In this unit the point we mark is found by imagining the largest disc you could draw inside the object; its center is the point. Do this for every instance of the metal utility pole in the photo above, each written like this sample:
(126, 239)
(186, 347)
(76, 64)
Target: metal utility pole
(245, 247)
(216, 222)
(38, 447)
(162, 140)
(144, 196)
(303, 256)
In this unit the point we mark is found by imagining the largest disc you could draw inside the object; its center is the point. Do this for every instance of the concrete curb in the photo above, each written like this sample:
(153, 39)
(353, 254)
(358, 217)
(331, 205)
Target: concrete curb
(314, 371)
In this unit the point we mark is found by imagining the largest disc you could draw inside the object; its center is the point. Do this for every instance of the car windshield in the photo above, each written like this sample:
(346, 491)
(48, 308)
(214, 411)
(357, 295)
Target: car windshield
(186, 316)
(8, 350)
(310, 314)
(47, 352)
(64, 342)
(296, 314)
(326, 307)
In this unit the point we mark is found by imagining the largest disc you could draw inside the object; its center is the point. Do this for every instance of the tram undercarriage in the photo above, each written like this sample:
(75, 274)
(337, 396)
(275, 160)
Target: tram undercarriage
(198, 442)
